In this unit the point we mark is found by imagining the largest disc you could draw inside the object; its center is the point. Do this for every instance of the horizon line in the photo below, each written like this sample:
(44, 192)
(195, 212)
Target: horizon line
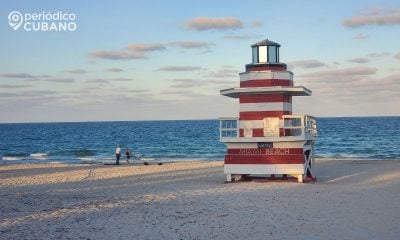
(160, 120)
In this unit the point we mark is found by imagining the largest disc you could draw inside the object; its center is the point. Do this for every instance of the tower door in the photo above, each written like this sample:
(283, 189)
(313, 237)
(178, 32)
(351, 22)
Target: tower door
(271, 127)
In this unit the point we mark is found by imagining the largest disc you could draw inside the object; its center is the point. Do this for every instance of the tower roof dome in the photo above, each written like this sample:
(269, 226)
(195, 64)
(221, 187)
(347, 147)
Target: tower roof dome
(266, 42)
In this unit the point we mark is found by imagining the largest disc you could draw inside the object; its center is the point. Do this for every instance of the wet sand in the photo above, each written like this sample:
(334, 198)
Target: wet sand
(350, 200)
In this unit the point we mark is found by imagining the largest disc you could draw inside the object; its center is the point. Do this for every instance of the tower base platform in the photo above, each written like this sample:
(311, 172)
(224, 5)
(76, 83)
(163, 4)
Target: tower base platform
(295, 170)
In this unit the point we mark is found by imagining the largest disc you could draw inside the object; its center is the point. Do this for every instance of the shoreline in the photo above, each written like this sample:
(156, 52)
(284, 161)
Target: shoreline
(189, 200)
(135, 162)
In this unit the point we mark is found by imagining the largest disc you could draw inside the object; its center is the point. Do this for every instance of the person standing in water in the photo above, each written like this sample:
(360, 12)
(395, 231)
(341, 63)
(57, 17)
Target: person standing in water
(128, 155)
(117, 154)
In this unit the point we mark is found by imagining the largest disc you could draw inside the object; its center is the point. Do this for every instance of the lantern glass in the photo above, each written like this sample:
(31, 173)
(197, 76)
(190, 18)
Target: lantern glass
(262, 54)
(272, 54)
(255, 54)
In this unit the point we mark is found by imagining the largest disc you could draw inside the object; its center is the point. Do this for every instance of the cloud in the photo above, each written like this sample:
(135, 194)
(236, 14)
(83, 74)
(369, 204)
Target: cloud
(40, 92)
(117, 55)
(75, 71)
(377, 16)
(29, 94)
(146, 47)
(48, 78)
(306, 64)
(174, 92)
(108, 80)
(378, 55)
(363, 87)
(8, 95)
(209, 23)
(122, 79)
(97, 80)
(359, 60)
(390, 82)
(360, 36)
(224, 72)
(114, 69)
(257, 24)
(137, 50)
(343, 72)
(182, 94)
(397, 56)
(242, 37)
(191, 44)
(139, 91)
(12, 86)
(186, 83)
(340, 84)
(196, 83)
(17, 75)
(60, 80)
(352, 92)
(80, 106)
(180, 68)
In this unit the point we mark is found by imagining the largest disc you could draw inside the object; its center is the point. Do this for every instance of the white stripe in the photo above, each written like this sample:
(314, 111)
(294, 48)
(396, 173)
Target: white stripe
(238, 145)
(241, 145)
(298, 144)
(255, 123)
(284, 75)
(252, 123)
(293, 91)
(264, 168)
(269, 106)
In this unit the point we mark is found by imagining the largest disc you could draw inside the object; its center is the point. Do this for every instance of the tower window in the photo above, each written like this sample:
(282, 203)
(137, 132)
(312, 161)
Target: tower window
(255, 54)
(272, 54)
(262, 54)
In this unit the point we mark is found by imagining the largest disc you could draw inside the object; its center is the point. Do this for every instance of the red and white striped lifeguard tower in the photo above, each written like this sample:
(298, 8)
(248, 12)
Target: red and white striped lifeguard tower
(267, 139)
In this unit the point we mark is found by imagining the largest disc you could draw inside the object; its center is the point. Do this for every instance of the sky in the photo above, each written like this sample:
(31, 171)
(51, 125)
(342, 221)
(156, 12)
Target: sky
(166, 60)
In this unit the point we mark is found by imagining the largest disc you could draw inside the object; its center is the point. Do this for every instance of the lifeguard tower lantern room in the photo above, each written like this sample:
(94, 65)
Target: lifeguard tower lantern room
(266, 139)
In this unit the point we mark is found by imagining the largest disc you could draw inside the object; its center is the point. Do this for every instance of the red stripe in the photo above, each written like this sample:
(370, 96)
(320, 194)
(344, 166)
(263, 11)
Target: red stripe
(264, 159)
(258, 132)
(266, 83)
(288, 132)
(256, 69)
(259, 115)
(261, 98)
(282, 132)
(264, 151)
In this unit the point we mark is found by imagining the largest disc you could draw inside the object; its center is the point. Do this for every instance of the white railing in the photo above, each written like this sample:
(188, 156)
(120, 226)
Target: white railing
(298, 126)
(311, 126)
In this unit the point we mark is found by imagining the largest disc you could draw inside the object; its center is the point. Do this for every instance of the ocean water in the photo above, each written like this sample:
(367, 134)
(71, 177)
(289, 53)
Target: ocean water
(87, 142)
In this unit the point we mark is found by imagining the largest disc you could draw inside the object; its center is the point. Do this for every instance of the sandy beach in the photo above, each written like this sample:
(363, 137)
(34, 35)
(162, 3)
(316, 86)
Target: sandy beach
(350, 200)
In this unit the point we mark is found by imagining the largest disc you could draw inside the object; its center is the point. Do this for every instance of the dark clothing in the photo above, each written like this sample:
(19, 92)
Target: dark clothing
(118, 155)
(128, 155)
